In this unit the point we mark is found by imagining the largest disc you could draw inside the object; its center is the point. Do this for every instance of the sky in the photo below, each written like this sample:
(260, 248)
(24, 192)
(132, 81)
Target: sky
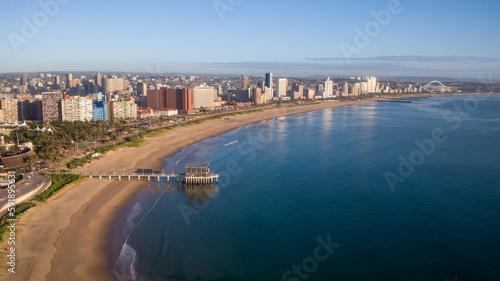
(443, 38)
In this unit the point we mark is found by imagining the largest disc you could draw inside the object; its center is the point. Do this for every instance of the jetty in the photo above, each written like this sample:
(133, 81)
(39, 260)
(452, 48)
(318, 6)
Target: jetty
(194, 174)
(395, 100)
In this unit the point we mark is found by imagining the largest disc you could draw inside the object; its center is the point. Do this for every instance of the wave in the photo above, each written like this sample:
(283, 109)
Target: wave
(231, 143)
(124, 268)
(178, 161)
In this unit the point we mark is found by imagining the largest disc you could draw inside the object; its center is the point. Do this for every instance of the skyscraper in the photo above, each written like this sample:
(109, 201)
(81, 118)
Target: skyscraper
(112, 85)
(281, 87)
(371, 86)
(244, 82)
(269, 80)
(269, 83)
(328, 88)
(69, 77)
(51, 106)
(142, 89)
(100, 111)
(24, 81)
(98, 83)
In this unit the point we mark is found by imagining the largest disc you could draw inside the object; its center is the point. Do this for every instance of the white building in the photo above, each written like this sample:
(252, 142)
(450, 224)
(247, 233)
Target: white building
(328, 93)
(204, 96)
(372, 84)
(281, 87)
(77, 109)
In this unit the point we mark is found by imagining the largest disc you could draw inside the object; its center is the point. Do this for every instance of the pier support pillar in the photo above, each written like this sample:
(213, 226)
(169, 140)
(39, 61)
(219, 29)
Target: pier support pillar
(128, 178)
(149, 178)
(119, 178)
(109, 177)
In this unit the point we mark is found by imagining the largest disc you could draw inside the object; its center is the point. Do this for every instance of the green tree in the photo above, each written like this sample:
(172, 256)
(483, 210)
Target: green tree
(15, 148)
(31, 160)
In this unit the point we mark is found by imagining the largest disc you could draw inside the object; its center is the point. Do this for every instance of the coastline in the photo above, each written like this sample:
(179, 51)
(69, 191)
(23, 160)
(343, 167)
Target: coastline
(65, 239)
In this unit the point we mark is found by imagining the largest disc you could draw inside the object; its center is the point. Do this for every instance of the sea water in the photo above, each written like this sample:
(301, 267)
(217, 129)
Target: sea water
(382, 191)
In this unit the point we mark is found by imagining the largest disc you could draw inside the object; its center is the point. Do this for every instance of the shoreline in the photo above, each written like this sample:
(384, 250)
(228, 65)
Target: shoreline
(50, 246)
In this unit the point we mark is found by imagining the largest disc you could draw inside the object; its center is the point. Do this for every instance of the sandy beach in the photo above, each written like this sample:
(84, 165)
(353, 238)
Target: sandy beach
(65, 239)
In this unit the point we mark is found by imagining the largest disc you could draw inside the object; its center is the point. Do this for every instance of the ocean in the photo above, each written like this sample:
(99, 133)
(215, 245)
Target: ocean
(382, 191)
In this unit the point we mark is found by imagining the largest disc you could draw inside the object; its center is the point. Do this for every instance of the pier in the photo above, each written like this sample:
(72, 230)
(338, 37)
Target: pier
(195, 174)
(394, 100)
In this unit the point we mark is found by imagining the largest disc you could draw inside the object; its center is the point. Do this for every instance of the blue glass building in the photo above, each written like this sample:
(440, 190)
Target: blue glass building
(100, 111)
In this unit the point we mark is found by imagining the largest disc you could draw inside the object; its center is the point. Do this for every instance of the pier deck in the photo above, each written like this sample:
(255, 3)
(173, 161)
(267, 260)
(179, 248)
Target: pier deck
(180, 178)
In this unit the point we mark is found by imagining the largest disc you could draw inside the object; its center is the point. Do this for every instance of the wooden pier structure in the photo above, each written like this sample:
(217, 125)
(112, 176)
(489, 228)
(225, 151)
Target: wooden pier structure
(196, 174)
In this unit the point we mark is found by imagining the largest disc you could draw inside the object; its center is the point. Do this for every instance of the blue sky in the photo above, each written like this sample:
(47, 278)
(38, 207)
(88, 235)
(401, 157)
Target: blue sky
(292, 38)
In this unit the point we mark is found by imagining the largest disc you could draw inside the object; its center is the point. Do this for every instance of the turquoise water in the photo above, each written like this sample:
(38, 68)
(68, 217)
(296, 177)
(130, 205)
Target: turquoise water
(318, 196)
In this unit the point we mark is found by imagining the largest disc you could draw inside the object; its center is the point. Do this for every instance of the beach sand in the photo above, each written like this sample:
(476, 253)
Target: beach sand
(65, 239)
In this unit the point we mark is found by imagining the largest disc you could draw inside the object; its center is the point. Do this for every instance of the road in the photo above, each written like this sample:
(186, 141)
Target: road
(27, 186)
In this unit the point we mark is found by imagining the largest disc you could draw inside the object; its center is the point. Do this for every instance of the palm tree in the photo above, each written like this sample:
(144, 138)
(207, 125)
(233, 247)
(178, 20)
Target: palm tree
(30, 160)
(2, 149)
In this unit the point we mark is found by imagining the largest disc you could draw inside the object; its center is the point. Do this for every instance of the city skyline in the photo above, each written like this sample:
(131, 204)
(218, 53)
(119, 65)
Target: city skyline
(382, 38)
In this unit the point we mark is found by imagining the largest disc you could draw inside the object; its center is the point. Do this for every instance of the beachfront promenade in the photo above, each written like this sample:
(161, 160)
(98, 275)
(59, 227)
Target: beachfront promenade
(180, 178)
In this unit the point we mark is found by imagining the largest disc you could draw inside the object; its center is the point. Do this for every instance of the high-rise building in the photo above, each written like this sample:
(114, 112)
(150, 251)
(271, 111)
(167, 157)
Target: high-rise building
(29, 109)
(298, 88)
(262, 85)
(244, 82)
(258, 96)
(51, 106)
(69, 77)
(356, 89)
(9, 110)
(77, 109)
(328, 93)
(371, 84)
(57, 80)
(319, 89)
(129, 110)
(268, 94)
(293, 94)
(100, 111)
(97, 83)
(269, 80)
(74, 83)
(142, 89)
(153, 98)
(112, 85)
(117, 110)
(203, 97)
(281, 87)
(24, 81)
(309, 94)
(345, 90)
(167, 98)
